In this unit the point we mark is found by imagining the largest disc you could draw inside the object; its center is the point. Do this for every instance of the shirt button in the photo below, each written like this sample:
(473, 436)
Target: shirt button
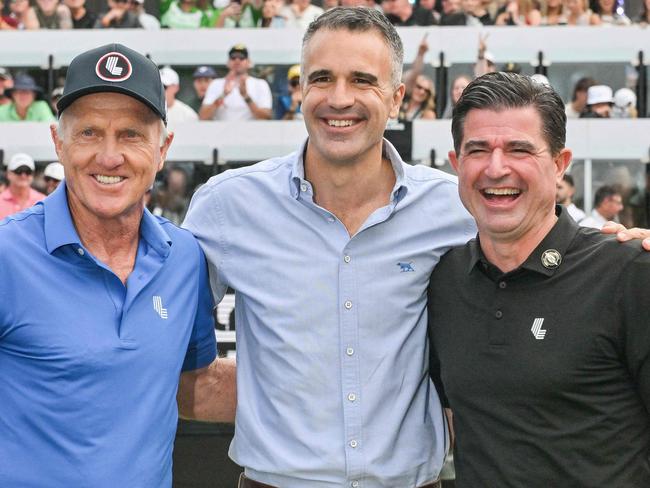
(348, 304)
(347, 259)
(80, 252)
(502, 284)
(353, 444)
(303, 187)
(498, 314)
(352, 397)
(330, 219)
(349, 351)
(354, 484)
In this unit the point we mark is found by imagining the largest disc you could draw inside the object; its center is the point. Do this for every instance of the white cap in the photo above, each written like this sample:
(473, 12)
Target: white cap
(20, 159)
(168, 76)
(489, 57)
(540, 79)
(599, 94)
(54, 171)
(624, 97)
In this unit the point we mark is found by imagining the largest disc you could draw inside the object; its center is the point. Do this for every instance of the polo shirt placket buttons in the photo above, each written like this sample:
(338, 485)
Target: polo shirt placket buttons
(348, 304)
(354, 484)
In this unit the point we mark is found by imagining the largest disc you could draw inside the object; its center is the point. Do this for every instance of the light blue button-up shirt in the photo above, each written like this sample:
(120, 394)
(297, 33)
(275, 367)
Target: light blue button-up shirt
(332, 356)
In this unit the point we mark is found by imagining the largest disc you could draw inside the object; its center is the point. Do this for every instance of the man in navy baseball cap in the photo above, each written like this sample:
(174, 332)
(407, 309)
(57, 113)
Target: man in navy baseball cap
(114, 68)
(93, 353)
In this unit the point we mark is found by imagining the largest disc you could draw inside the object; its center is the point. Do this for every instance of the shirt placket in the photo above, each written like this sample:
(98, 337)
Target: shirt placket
(350, 366)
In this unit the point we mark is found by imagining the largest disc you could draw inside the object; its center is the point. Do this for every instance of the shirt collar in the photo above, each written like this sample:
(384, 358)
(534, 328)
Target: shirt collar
(559, 239)
(388, 151)
(60, 230)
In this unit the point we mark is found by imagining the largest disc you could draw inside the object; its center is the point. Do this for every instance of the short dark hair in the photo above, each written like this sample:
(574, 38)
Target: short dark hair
(361, 19)
(568, 179)
(604, 192)
(498, 91)
(582, 84)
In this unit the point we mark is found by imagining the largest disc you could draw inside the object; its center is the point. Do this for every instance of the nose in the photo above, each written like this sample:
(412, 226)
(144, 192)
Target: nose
(497, 166)
(340, 95)
(110, 155)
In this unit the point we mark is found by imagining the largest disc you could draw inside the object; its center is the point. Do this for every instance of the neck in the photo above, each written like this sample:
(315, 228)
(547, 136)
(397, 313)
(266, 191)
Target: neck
(351, 191)
(508, 253)
(19, 193)
(21, 111)
(112, 241)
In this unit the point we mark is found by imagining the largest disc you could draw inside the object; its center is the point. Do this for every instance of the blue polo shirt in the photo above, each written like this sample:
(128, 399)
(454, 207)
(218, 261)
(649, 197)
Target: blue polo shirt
(332, 354)
(89, 367)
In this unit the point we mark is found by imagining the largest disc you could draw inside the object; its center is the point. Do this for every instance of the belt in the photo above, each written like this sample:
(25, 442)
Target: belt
(245, 482)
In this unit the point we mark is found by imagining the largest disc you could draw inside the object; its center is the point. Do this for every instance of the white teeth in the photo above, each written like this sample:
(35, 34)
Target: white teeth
(340, 123)
(108, 180)
(502, 191)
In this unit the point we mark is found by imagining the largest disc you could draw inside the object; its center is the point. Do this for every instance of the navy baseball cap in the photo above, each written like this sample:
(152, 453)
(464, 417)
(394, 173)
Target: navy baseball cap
(114, 68)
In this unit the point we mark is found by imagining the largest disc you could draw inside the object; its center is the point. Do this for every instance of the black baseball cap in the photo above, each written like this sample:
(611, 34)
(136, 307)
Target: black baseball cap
(114, 68)
(238, 48)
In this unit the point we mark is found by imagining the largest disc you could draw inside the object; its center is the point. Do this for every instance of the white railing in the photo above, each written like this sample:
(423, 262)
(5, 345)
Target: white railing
(282, 46)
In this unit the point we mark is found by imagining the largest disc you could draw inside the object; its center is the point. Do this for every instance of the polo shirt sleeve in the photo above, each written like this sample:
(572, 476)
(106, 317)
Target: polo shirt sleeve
(434, 361)
(202, 349)
(214, 91)
(634, 295)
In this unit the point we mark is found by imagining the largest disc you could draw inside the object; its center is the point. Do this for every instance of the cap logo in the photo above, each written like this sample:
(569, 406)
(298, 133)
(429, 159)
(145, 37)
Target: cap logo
(114, 67)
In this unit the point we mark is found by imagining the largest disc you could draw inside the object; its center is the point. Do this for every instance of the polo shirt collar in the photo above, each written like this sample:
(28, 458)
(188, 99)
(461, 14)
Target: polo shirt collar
(388, 151)
(559, 239)
(60, 230)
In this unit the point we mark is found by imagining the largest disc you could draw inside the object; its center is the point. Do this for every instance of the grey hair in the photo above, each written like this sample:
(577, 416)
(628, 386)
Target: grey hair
(60, 128)
(498, 91)
(361, 19)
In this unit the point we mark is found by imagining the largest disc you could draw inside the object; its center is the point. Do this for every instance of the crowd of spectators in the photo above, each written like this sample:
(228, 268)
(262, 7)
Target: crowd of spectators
(194, 14)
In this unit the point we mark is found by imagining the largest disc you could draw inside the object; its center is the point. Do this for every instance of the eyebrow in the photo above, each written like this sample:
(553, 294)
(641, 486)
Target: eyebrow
(355, 74)
(510, 145)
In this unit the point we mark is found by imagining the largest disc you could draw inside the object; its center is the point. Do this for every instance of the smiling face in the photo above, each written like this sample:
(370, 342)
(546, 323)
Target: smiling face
(348, 95)
(423, 89)
(109, 144)
(507, 175)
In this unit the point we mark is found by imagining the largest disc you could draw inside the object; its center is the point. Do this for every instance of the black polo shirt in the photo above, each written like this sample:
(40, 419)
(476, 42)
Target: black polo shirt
(547, 367)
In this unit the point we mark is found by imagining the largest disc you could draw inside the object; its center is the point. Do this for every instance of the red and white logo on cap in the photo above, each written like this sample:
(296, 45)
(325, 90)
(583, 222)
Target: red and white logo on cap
(114, 67)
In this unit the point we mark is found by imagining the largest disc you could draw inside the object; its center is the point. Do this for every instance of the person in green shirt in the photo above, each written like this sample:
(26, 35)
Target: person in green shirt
(25, 105)
(185, 14)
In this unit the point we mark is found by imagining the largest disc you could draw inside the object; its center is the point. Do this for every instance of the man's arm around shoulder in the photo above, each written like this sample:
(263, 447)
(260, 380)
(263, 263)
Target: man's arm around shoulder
(210, 393)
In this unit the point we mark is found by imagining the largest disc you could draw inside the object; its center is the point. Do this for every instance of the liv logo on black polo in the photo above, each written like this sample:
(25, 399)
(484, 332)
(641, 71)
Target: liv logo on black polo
(537, 330)
(114, 67)
(406, 267)
(157, 306)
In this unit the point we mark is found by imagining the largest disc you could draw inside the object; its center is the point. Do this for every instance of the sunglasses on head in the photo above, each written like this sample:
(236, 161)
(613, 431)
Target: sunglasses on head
(23, 171)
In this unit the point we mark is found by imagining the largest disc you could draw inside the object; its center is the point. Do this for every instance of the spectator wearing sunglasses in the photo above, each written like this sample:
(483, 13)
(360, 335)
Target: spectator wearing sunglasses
(119, 16)
(19, 195)
(238, 96)
(25, 102)
(419, 99)
(52, 176)
(289, 105)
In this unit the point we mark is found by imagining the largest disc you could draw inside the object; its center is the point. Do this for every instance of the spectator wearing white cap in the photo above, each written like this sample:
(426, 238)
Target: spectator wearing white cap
(53, 175)
(178, 112)
(599, 102)
(148, 21)
(624, 104)
(19, 195)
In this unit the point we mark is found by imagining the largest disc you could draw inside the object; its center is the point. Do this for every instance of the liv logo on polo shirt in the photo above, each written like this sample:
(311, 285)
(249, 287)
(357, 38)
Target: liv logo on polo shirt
(406, 267)
(157, 306)
(537, 330)
(114, 67)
